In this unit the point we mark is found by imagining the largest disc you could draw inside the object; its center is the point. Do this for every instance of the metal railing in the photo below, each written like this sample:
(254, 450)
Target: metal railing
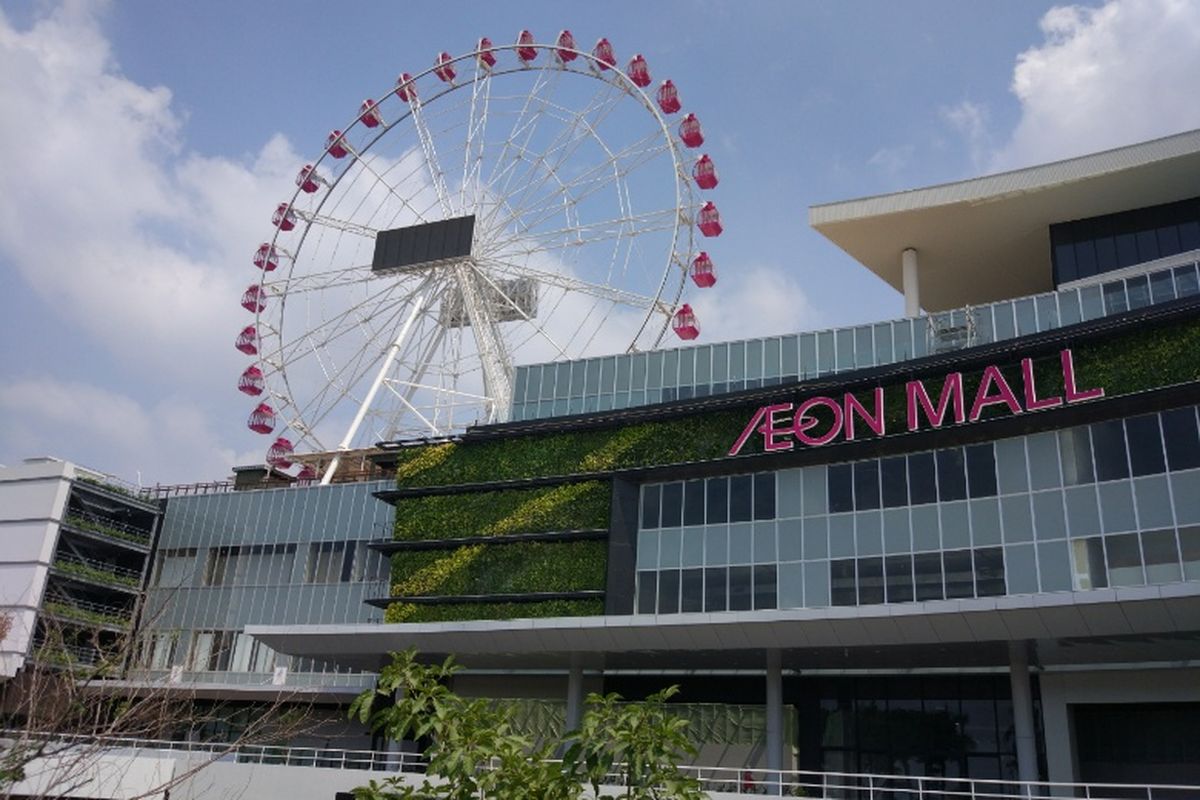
(727, 781)
(88, 611)
(94, 523)
(97, 571)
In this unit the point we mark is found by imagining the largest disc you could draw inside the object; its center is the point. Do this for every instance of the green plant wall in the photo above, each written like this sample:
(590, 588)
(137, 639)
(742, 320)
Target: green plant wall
(1131, 361)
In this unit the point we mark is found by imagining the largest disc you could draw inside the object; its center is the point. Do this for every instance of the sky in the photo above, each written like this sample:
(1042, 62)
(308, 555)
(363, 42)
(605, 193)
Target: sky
(143, 145)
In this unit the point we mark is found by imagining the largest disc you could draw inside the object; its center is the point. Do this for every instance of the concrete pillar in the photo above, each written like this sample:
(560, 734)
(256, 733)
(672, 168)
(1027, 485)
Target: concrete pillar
(574, 694)
(774, 720)
(1022, 698)
(911, 283)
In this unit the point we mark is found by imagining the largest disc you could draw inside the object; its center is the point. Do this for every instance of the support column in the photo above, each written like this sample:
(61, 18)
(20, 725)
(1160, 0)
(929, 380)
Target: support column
(911, 283)
(575, 693)
(774, 721)
(1022, 698)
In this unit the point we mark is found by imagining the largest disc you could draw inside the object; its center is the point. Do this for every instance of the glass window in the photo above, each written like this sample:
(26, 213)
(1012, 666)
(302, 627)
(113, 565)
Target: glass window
(981, 470)
(883, 343)
(175, 567)
(1018, 521)
(716, 545)
(863, 347)
(788, 483)
(956, 526)
(221, 569)
(741, 596)
(740, 497)
(1068, 306)
(1054, 568)
(647, 549)
(668, 591)
(1083, 513)
(693, 503)
(825, 352)
(623, 368)
(868, 533)
(866, 484)
(843, 591)
(765, 587)
(1043, 461)
(989, 572)
(1124, 560)
(692, 591)
(816, 538)
(841, 535)
(951, 475)
(1108, 442)
(717, 495)
(816, 584)
(764, 542)
(897, 537)
(813, 480)
(807, 357)
(1186, 282)
(638, 381)
(1010, 465)
(902, 336)
(1115, 301)
(704, 366)
(1076, 450)
(764, 495)
(894, 476)
(898, 570)
(714, 589)
(329, 562)
(1116, 506)
(647, 592)
(737, 362)
(960, 578)
(650, 506)
(790, 533)
(771, 358)
(870, 581)
(741, 543)
(927, 567)
(669, 545)
(1145, 445)
(1183, 444)
(1087, 556)
(845, 348)
(672, 505)
(841, 493)
(922, 481)
(562, 380)
(1189, 549)
(1138, 290)
(754, 359)
(1021, 573)
(791, 585)
(985, 522)
(1026, 317)
(1047, 312)
(1005, 326)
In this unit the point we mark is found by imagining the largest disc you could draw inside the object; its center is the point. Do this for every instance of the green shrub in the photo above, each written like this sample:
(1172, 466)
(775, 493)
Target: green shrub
(501, 569)
(410, 612)
(544, 508)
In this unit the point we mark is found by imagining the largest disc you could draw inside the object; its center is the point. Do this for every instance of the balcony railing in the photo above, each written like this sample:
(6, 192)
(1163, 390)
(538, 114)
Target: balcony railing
(721, 781)
(97, 571)
(85, 611)
(92, 523)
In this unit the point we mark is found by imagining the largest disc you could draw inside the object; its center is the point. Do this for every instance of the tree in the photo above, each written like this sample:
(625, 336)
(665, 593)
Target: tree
(68, 708)
(476, 752)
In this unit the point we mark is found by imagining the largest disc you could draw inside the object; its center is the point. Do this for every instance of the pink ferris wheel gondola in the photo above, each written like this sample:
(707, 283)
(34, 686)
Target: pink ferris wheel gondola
(254, 299)
(335, 144)
(284, 217)
(564, 47)
(266, 257)
(307, 474)
(668, 97)
(279, 454)
(247, 340)
(685, 324)
(262, 419)
(444, 67)
(369, 115)
(704, 173)
(689, 131)
(709, 220)
(308, 179)
(603, 53)
(251, 381)
(526, 52)
(487, 56)
(703, 271)
(638, 71)
(406, 90)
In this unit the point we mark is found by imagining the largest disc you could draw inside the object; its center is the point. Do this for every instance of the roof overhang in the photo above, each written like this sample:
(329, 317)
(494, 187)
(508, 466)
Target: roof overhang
(931, 629)
(987, 239)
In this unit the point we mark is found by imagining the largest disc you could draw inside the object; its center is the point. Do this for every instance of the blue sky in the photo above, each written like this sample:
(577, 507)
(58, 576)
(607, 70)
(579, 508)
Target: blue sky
(144, 144)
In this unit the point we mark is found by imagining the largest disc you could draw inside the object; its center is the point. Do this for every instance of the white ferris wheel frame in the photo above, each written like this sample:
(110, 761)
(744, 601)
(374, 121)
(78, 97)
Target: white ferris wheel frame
(466, 276)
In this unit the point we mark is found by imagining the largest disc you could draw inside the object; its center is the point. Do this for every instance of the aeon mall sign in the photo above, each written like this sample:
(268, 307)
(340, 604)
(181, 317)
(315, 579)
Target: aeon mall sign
(783, 425)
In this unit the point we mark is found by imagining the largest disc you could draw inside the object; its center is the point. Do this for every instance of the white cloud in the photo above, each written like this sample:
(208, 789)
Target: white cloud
(138, 243)
(1105, 77)
(970, 119)
(752, 301)
(170, 440)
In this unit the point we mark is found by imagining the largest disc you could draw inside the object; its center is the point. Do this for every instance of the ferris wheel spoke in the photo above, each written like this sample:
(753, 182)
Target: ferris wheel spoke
(581, 187)
(473, 151)
(580, 128)
(488, 342)
(367, 165)
(569, 283)
(543, 87)
(518, 309)
(343, 225)
(558, 145)
(530, 242)
(436, 176)
(320, 281)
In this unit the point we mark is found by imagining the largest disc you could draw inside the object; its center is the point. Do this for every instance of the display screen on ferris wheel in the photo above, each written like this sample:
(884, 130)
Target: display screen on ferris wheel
(515, 204)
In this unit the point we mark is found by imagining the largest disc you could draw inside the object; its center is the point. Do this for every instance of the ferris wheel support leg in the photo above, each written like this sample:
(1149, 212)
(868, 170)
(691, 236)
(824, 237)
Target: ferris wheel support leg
(418, 306)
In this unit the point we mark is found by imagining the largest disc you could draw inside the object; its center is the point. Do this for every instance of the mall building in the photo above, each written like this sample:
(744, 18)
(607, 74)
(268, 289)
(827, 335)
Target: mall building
(963, 543)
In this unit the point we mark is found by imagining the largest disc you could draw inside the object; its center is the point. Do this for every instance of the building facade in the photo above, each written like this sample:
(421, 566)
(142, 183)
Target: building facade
(964, 543)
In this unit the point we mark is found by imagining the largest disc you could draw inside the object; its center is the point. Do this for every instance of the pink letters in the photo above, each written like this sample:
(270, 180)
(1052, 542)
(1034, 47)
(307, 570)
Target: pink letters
(780, 433)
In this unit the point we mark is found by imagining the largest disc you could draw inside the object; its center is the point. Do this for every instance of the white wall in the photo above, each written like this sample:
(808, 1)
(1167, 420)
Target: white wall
(32, 499)
(1063, 689)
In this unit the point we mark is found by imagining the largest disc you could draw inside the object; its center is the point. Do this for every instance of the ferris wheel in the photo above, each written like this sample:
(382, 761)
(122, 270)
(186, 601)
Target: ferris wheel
(515, 204)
